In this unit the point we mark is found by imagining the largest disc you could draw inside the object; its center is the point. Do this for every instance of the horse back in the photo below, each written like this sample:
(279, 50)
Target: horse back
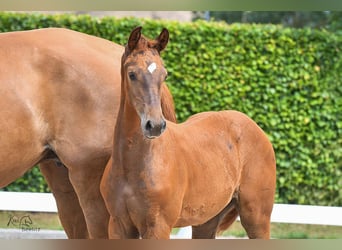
(244, 133)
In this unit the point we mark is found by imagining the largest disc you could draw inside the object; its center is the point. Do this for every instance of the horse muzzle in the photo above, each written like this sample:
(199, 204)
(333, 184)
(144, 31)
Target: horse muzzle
(152, 129)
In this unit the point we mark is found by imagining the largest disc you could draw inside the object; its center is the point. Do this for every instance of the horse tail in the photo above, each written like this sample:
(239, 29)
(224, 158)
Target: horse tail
(227, 220)
(167, 104)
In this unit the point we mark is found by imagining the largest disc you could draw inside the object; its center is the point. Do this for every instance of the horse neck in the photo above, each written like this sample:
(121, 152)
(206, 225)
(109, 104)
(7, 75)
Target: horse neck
(129, 139)
(128, 121)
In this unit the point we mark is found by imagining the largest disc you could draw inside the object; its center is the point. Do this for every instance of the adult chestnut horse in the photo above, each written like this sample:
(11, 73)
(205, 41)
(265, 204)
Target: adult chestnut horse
(203, 172)
(60, 93)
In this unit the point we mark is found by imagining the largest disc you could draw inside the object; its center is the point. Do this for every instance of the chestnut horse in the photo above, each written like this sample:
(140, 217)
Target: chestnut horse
(203, 172)
(60, 93)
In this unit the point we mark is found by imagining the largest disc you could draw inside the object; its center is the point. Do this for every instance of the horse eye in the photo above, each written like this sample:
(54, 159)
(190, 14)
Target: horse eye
(132, 76)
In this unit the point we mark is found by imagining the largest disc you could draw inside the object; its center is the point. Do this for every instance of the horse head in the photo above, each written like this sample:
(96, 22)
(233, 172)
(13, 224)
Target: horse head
(143, 73)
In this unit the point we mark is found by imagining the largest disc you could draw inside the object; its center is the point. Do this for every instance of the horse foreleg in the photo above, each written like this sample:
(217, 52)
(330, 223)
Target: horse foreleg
(158, 229)
(120, 225)
(69, 209)
(86, 181)
(120, 229)
(156, 222)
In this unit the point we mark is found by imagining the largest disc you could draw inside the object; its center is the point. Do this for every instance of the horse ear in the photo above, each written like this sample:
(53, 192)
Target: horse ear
(162, 40)
(134, 38)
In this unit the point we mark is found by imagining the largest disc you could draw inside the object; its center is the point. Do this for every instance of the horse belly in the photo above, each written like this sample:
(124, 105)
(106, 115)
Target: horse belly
(205, 201)
(21, 144)
(213, 177)
(197, 212)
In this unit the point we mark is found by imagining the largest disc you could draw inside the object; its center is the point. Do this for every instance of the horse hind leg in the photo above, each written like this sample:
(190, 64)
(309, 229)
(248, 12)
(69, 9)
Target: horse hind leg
(217, 224)
(86, 180)
(257, 187)
(69, 210)
(255, 208)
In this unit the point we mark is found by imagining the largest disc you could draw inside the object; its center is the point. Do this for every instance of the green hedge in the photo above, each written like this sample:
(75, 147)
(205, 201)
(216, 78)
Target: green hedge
(287, 80)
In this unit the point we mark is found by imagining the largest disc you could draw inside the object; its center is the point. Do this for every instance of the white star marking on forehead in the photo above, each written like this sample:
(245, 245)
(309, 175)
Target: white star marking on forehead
(152, 67)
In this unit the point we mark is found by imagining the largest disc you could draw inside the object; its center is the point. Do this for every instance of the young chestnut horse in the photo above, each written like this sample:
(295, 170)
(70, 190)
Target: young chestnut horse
(203, 172)
(60, 93)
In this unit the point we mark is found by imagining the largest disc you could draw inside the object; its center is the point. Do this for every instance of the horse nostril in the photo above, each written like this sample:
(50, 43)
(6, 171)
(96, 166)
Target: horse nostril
(149, 126)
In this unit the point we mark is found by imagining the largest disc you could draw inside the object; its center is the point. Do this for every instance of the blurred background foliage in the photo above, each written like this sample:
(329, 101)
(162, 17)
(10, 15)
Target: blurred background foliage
(329, 20)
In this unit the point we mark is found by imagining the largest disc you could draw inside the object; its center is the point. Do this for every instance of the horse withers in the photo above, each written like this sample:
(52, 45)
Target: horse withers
(203, 172)
(60, 94)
